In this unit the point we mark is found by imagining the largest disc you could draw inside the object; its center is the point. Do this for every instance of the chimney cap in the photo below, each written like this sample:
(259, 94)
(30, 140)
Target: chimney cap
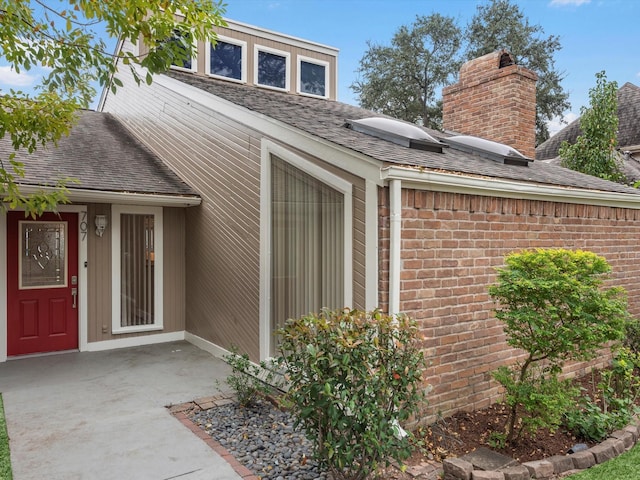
(506, 59)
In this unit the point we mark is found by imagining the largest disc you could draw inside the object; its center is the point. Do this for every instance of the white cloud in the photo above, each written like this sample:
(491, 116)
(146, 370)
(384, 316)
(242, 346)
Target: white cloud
(556, 125)
(563, 3)
(8, 76)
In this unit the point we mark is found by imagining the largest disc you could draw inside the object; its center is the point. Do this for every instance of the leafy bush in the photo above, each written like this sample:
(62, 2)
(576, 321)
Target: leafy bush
(618, 391)
(590, 422)
(554, 308)
(354, 378)
(248, 380)
(632, 336)
(540, 398)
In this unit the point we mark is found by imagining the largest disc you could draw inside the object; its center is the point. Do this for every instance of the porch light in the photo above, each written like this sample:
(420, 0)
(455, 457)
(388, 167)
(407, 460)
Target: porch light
(101, 224)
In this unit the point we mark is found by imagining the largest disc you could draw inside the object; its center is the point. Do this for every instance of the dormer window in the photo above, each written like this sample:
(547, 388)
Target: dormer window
(313, 77)
(185, 44)
(227, 59)
(272, 68)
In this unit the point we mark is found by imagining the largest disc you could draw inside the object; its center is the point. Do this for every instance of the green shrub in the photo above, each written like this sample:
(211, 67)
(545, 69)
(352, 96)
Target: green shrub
(354, 378)
(632, 336)
(539, 397)
(554, 307)
(617, 390)
(248, 380)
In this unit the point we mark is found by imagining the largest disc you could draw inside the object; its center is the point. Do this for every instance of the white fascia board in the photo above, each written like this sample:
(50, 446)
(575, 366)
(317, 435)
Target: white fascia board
(337, 155)
(79, 195)
(447, 182)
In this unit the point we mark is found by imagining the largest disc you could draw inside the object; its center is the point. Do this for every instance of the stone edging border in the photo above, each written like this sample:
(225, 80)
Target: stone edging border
(180, 413)
(618, 442)
(455, 468)
(426, 471)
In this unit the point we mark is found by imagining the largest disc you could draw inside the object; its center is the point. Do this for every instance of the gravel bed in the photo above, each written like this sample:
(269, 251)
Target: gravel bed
(263, 439)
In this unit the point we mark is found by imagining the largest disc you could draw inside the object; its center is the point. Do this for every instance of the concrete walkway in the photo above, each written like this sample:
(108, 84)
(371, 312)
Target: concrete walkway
(102, 416)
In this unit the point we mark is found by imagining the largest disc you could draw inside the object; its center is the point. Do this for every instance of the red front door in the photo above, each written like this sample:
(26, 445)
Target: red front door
(42, 284)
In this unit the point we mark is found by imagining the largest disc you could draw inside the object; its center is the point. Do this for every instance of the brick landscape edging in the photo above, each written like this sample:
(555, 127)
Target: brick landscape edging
(180, 413)
(618, 442)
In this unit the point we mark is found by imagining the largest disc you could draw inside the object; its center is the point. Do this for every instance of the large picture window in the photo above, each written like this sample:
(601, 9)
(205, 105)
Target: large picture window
(227, 59)
(307, 244)
(272, 68)
(137, 269)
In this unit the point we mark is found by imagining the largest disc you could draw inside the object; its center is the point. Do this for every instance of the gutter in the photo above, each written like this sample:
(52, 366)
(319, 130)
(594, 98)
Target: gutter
(78, 195)
(447, 182)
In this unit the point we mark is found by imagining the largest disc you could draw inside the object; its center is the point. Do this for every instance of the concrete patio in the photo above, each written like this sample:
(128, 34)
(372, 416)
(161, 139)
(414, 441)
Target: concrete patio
(102, 416)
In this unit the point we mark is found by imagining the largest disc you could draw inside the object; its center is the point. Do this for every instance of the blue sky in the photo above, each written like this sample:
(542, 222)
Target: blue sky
(595, 34)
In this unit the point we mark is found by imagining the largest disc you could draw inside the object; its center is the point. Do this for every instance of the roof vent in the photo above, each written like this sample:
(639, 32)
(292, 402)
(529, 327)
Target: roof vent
(495, 151)
(396, 131)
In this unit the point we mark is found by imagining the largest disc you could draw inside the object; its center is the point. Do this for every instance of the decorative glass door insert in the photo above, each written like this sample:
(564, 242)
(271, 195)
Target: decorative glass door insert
(43, 254)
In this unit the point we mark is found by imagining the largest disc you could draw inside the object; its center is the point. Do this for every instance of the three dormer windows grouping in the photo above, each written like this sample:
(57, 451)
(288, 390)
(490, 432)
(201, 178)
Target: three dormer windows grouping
(228, 60)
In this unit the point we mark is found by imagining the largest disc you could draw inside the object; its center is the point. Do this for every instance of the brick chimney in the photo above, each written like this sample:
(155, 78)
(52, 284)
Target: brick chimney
(495, 99)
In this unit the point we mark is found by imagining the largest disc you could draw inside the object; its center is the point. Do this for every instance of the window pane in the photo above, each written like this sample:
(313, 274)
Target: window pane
(272, 70)
(137, 269)
(307, 245)
(183, 44)
(43, 254)
(312, 78)
(226, 60)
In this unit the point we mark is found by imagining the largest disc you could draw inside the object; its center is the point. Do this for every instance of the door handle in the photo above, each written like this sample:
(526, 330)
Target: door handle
(74, 294)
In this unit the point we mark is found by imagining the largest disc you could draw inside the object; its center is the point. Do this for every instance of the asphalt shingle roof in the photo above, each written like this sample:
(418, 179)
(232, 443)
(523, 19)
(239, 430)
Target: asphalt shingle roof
(326, 119)
(628, 125)
(103, 156)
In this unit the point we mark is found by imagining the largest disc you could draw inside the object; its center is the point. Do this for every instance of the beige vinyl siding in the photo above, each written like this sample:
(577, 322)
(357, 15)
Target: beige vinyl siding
(99, 275)
(220, 159)
(293, 50)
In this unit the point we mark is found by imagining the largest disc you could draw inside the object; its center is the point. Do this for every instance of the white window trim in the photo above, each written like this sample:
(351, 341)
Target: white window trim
(270, 148)
(194, 60)
(233, 41)
(314, 61)
(116, 210)
(287, 83)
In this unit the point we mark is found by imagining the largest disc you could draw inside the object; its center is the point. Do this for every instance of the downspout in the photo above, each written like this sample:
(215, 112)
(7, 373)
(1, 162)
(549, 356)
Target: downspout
(395, 231)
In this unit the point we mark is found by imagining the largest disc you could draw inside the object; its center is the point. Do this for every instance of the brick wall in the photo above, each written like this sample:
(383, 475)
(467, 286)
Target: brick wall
(451, 245)
(493, 102)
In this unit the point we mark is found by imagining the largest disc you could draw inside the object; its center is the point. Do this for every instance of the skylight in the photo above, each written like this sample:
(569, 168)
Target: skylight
(396, 131)
(486, 148)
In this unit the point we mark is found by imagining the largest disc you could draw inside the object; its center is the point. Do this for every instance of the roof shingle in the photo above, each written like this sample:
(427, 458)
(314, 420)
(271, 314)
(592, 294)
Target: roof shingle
(326, 119)
(102, 155)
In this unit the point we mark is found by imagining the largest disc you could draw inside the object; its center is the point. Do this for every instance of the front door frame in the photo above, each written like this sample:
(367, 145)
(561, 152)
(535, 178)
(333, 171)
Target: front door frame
(83, 234)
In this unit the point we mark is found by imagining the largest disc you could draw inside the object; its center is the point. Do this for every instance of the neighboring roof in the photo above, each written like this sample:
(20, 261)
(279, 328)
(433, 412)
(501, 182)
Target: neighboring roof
(103, 156)
(326, 120)
(628, 125)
